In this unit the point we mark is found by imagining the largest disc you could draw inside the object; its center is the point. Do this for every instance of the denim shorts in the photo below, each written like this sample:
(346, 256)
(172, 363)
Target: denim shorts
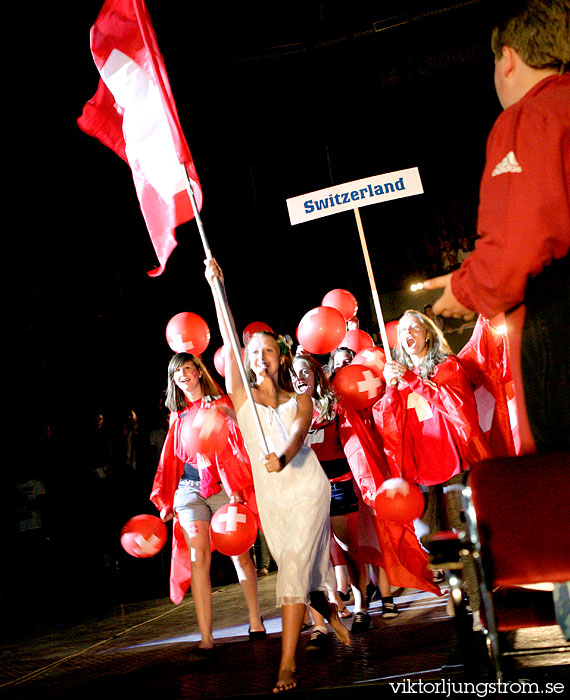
(343, 498)
(189, 505)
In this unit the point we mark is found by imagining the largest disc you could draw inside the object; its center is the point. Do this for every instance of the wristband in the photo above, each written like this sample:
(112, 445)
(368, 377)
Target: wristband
(282, 461)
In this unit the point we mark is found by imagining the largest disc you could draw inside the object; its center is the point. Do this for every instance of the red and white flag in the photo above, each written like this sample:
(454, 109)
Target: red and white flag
(134, 114)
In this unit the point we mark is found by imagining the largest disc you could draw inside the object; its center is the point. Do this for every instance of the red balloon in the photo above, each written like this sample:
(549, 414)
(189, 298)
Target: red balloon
(343, 301)
(254, 327)
(357, 340)
(204, 431)
(371, 357)
(233, 529)
(392, 333)
(399, 501)
(358, 385)
(220, 362)
(143, 536)
(321, 330)
(187, 332)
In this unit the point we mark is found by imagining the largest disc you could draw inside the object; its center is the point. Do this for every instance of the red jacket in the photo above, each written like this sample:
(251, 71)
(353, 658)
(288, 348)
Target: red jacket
(431, 428)
(231, 467)
(524, 213)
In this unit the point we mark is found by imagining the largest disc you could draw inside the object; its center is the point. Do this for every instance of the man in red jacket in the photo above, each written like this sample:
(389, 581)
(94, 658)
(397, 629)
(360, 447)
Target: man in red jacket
(520, 265)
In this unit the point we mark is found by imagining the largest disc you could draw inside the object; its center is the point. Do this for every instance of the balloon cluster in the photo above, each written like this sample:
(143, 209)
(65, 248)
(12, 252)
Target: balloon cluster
(324, 329)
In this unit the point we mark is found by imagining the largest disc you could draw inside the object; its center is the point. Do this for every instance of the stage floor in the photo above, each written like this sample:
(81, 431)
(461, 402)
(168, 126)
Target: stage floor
(140, 650)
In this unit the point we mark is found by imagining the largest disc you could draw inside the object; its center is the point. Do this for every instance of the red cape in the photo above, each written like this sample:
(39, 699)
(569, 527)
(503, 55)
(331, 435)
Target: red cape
(485, 359)
(401, 554)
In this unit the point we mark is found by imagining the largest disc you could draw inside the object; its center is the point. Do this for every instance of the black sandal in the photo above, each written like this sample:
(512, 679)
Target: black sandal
(257, 636)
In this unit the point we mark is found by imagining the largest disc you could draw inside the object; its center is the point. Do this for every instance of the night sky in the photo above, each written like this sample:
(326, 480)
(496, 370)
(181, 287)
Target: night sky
(276, 100)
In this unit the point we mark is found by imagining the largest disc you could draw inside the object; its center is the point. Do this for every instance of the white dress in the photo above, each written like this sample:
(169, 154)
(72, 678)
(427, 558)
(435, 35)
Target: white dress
(294, 504)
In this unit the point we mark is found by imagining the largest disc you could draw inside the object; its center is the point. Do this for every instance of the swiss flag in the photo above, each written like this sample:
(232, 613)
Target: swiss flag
(134, 114)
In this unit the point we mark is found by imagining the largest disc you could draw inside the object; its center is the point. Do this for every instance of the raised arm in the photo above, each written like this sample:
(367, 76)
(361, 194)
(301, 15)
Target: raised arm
(234, 382)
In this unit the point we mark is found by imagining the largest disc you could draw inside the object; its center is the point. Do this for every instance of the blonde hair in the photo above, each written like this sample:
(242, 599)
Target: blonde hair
(437, 346)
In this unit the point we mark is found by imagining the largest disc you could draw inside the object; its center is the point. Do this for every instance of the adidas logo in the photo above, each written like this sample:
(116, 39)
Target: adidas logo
(509, 164)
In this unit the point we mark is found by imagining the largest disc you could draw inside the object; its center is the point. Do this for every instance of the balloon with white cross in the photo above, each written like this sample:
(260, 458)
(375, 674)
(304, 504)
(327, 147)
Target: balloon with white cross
(187, 332)
(233, 529)
(143, 536)
(360, 386)
(204, 431)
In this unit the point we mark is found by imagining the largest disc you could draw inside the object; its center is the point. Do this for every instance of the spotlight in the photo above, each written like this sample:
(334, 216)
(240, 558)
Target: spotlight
(417, 286)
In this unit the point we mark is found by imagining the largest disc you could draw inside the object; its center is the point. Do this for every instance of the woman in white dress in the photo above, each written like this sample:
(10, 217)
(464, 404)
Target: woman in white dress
(293, 493)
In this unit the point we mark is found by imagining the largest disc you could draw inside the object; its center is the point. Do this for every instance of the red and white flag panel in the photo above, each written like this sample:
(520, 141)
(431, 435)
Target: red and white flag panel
(134, 114)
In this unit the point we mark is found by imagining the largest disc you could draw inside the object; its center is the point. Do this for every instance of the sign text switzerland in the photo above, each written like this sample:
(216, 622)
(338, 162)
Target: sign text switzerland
(369, 190)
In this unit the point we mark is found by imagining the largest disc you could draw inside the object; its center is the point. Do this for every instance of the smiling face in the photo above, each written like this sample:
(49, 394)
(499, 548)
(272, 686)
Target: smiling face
(264, 356)
(187, 379)
(304, 381)
(413, 337)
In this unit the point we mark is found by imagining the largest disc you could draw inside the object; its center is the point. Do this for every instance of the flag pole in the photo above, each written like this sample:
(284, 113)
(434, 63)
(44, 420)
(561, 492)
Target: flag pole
(223, 305)
(375, 297)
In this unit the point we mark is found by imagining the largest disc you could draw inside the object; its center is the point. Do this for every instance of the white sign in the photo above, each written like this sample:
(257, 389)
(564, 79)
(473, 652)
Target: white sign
(360, 193)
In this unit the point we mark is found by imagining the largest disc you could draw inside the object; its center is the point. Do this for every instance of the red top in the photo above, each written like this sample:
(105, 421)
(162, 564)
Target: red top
(524, 209)
(324, 438)
(431, 428)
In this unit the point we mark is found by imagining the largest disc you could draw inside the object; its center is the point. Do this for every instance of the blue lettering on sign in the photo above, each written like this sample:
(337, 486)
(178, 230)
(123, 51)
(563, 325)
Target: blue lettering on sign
(354, 195)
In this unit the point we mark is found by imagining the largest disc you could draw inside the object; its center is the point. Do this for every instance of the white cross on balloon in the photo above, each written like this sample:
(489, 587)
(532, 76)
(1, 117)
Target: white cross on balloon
(178, 341)
(370, 384)
(232, 518)
(148, 546)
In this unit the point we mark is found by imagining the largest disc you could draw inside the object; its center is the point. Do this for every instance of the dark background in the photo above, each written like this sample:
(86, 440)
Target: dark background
(276, 99)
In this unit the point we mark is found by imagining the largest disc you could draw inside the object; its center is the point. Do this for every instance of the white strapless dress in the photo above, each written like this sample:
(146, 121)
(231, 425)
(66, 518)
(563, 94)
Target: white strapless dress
(294, 505)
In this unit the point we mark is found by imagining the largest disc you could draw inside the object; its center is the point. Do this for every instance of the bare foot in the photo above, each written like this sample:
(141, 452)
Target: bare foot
(285, 681)
(340, 630)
